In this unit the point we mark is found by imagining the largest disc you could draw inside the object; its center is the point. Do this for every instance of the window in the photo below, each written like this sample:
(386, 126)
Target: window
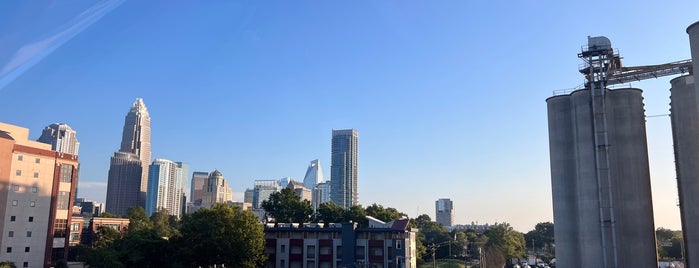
(36, 174)
(11, 234)
(283, 249)
(29, 233)
(20, 158)
(26, 249)
(25, 264)
(37, 161)
(59, 228)
(18, 172)
(66, 173)
(31, 219)
(62, 200)
(398, 243)
(32, 203)
(15, 187)
(311, 252)
(14, 202)
(9, 249)
(34, 189)
(12, 218)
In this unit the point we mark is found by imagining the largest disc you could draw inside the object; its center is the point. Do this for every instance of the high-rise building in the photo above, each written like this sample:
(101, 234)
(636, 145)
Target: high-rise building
(166, 180)
(343, 168)
(314, 174)
(262, 190)
(198, 183)
(128, 171)
(321, 194)
(444, 208)
(248, 197)
(37, 198)
(216, 190)
(61, 137)
(301, 190)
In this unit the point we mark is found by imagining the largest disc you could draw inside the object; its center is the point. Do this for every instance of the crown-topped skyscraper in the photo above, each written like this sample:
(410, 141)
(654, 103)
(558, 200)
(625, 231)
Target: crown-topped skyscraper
(128, 171)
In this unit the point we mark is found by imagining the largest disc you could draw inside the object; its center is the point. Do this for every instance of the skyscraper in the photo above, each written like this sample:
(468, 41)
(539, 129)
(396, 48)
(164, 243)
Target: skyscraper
(165, 186)
(343, 168)
(216, 190)
(61, 137)
(314, 175)
(262, 190)
(198, 183)
(444, 208)
(128, 171)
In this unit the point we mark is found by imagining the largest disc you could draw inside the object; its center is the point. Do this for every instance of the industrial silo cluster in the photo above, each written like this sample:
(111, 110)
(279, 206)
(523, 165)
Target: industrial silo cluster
(600, 173)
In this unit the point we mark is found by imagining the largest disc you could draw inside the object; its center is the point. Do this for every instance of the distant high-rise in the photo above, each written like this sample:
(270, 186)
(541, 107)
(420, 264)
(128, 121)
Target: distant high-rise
(249, 195)
(216, 190)
(165, 186)
(444, 208)
(262, 190)
(314, 175)
(343, 168)
(198, 183)
(321, 194)
(61, 137)
(128, 171)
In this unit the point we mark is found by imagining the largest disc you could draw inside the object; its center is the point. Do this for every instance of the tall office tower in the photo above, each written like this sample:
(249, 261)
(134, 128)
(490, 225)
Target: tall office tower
(248, 197)
(165, 186)
(321, 194)
(262, 190)
(444, 208)
(301, 190)
(314, 174)
(198, 183)
(128, 171)
(216, 190)
(343, 168)
(36, 199)
(61, 137)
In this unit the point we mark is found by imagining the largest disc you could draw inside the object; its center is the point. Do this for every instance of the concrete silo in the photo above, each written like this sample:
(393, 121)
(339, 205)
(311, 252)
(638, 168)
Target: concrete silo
(684, 107)
(601, 220)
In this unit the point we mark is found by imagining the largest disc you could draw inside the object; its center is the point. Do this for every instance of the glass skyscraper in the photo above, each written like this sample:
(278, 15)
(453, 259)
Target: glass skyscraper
(166, 183)
(128, 170)
(343, 168)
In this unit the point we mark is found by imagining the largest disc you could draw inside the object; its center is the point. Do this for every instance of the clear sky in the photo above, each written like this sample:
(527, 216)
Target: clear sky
(448, 96)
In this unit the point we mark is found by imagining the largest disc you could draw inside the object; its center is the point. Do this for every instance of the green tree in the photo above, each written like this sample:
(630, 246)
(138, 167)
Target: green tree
(144, 248)
(138, 219)
(669, 244)
(541, 237)
(384, 214)
(504, 239)
(329, 212)
(105, 237)
(164, 224)
(286, 206)
(221, 235)
(356, 214)
(7, 264)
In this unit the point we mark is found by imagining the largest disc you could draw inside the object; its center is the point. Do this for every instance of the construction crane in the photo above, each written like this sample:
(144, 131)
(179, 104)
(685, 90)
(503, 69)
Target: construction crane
(603, 68)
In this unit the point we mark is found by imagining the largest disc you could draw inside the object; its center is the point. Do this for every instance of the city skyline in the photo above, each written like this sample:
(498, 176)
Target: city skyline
(448, 96)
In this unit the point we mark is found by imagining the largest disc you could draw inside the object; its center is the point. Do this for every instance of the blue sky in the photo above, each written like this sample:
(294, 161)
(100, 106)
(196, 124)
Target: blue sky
(447, 96)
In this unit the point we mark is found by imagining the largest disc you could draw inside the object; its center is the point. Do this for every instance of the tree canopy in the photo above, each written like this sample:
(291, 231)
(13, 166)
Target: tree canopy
(286, 206)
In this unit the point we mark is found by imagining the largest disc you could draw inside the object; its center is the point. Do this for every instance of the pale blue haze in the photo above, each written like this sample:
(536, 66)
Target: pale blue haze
(447, 96)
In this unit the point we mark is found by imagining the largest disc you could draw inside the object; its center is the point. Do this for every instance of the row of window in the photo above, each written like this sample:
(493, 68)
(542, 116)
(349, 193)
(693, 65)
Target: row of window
(9, 249)
(14, 218)
(21, 158)
(15, 187)
(12, 234)
(19, 173)
(16, 203)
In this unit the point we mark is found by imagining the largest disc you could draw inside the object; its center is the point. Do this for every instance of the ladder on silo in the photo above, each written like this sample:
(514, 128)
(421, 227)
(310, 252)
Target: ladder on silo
(601, 63)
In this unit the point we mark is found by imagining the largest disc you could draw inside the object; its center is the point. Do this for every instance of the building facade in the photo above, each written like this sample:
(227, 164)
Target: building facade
(166, 183)
(314, 174)
(343, 168)
(262, 190)
(315, 245)
(198, 181)
(444, 210)
(127, 182)
(62, 137)
(216, 190)
(321, 194)
(36, 199)
(301, 190)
